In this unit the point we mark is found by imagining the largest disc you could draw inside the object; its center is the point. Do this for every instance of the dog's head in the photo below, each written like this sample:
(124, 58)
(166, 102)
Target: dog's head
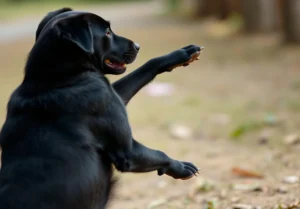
(92, 35)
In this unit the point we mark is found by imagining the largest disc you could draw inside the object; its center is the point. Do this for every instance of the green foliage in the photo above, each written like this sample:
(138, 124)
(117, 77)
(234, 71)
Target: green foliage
(211, 204)
(173, 5)
(249, 126)
(293, 104)
(246, 127)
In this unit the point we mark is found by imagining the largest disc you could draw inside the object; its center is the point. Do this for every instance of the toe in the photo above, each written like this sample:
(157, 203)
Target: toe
(191, 166)
(193, 49)
(189, 46)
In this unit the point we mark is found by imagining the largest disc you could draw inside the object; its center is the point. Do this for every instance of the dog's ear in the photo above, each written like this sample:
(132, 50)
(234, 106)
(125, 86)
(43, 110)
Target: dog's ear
(49, 17)
(76, 29)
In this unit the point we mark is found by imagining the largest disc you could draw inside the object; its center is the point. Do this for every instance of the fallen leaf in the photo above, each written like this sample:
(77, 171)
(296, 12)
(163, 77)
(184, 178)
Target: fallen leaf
(246, 173)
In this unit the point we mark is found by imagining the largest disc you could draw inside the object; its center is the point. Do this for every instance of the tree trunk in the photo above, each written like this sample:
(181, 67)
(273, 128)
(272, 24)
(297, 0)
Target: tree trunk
(291, 18)
(206, 8)
(220, 9)
(224, 9)
(260, 15)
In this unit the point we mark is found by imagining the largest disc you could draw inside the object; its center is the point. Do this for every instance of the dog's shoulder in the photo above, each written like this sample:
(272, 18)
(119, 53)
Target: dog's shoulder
(86, 92)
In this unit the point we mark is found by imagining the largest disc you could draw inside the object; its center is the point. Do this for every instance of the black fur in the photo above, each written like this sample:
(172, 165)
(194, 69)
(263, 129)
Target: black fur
(67, 125)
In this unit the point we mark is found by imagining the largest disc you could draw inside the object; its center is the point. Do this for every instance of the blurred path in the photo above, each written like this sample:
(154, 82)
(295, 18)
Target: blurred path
(121, 15)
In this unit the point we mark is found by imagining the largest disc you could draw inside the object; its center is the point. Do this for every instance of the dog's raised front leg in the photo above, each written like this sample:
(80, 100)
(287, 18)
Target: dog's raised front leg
(139, 158)
(129, 85)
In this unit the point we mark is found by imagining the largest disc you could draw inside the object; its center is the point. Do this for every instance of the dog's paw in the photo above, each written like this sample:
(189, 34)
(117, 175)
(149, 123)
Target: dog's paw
(180, 170)
(186, 55)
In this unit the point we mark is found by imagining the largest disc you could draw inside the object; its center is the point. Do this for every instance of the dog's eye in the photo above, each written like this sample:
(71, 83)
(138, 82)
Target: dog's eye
(108, 33)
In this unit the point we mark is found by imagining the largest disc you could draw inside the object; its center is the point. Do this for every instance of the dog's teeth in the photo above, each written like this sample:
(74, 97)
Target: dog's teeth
(107, 61)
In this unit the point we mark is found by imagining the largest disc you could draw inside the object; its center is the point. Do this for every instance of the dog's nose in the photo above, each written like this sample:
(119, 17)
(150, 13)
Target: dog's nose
(137, 46)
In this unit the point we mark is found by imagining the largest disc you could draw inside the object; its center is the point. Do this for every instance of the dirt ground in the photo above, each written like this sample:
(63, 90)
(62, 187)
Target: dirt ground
(239, 80)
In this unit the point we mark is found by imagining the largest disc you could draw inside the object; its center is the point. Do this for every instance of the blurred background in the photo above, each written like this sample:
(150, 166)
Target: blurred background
(235, 113)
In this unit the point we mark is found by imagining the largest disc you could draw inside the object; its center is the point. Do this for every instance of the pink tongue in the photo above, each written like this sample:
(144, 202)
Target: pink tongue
(117, 64)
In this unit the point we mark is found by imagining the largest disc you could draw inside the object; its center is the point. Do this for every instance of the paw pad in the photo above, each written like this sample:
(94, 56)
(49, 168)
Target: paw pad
(194, 56)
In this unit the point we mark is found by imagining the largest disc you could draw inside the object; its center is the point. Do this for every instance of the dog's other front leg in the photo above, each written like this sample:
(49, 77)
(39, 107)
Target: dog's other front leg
(129, 85)
(139, 158)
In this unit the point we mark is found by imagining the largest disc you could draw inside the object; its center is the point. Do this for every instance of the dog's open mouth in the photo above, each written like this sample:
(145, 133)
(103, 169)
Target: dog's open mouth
(114, 65)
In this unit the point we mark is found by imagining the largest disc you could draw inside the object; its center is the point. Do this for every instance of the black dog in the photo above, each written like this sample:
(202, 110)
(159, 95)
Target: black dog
(66, 125)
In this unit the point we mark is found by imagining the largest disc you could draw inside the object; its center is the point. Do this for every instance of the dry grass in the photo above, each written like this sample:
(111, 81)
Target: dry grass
(246, 78)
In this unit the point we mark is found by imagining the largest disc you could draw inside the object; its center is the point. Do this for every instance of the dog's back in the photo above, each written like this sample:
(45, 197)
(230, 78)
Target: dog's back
(47, 159)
